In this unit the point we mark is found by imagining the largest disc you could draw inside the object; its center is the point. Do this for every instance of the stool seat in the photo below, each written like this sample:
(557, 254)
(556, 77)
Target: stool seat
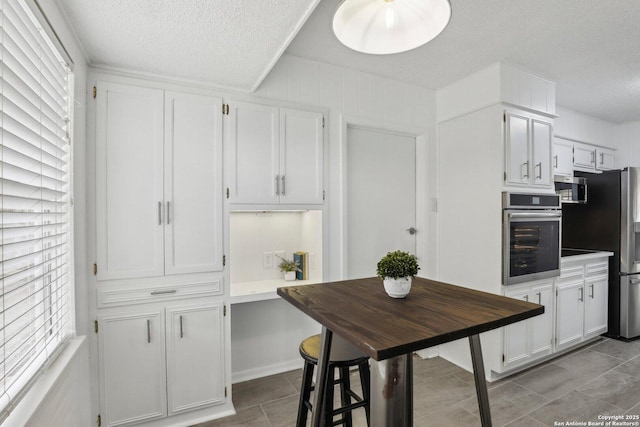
(341, 351)
(343, 356)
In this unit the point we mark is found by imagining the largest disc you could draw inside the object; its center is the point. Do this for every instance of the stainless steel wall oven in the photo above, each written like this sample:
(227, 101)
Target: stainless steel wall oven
(531, 237)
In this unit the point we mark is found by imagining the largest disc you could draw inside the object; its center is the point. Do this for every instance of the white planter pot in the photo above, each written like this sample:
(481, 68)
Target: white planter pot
(397, 288)
(289, 275)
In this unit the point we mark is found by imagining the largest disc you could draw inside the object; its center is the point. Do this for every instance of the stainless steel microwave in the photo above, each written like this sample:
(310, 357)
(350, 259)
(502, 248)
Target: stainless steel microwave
(531, 237)
(571, 189)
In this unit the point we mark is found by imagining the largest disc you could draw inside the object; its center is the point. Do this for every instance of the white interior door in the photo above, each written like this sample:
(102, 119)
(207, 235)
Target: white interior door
(381, 198)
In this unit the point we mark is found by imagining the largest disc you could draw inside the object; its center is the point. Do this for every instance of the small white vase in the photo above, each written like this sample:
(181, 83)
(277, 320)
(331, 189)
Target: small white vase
(289, 275)
(397, 288)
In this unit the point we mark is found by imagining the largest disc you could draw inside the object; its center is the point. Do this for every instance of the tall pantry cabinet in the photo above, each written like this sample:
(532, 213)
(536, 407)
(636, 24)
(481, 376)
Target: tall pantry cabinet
(160, 318)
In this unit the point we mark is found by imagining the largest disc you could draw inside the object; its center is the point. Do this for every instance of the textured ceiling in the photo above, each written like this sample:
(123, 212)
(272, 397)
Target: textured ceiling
(590, 48)
(230, 43)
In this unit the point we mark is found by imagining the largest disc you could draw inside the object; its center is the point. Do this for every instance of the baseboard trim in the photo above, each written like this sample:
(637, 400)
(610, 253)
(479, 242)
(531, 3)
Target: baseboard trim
(265, 371)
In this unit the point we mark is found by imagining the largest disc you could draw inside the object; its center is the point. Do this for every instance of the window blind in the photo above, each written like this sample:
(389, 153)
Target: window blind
(35, 289)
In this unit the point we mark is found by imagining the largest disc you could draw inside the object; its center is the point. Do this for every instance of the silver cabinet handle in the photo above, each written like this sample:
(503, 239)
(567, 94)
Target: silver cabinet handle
(539, 297)
(168, 291)
(539, 167)
(282, 177)
(581, 294)
(277, 185)
(181, 330)
(591, 291)
(526, 165)
(159, 213)
(555, 161)
(593, 157)
(168, 213)
(526, 298)
(601, 158)
(148, 331)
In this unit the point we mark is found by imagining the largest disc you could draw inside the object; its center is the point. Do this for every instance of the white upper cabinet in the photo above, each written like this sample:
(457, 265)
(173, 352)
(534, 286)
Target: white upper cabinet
(584, 156)
(255, 147)
(193, 183)
(129, 181)
(300, 156)
(590, 158)
(528, 150)
(562, 157)
(517, 139)
(541, 137)
(604, 158)
(276, 155)
(158, 182)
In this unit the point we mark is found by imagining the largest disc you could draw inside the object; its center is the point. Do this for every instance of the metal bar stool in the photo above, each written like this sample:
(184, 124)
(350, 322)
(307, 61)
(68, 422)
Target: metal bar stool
(343, 356)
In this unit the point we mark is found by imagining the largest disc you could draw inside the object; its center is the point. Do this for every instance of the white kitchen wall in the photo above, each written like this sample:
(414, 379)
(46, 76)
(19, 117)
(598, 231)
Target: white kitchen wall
(580, 127)
(352, 95)
(254, 233)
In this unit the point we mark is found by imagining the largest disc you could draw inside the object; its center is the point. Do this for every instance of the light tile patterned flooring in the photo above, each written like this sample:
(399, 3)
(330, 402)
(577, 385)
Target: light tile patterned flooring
(598, 380)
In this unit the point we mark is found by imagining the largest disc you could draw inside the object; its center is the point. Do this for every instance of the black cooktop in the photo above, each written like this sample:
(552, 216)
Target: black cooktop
(573, 252)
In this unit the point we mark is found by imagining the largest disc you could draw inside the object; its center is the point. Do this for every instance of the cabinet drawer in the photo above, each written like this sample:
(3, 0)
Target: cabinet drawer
(571, 272)
(110, 296)
(596, 267)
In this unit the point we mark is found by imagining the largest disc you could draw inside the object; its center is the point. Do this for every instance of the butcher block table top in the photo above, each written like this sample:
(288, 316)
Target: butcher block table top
(382, 327)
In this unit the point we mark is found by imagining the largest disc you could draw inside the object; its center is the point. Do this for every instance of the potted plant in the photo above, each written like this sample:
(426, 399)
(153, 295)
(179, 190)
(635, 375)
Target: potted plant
(396, 270)
(289, 269)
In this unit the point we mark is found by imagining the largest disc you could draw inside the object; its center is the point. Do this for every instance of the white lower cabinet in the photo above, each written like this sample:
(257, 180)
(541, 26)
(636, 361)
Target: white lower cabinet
(132, 367)
(582, 302)
(530, 339)
(575, 310)
(194, 357)
(160, 361)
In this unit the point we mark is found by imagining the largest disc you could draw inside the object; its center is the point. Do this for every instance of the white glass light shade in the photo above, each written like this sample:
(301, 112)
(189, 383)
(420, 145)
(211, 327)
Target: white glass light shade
(389, 26)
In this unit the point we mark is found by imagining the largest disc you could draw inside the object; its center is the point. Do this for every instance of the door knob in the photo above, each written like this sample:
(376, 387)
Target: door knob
(412, 231)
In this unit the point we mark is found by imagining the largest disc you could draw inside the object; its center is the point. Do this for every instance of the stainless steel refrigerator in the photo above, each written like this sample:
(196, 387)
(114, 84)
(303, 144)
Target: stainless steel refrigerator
(610, 220)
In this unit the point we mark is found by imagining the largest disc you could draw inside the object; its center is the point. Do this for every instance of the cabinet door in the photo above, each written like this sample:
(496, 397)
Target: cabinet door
(541, 140)
(301, 154)
(542, 326)
(517, 145)
(596, 306)
(604, 159)
(516, 344)
(129, 187)
(195, 363)
(254, 153)
(584, 156)
(570, 314)
(132, 367)
(562, 157)
(193, 184)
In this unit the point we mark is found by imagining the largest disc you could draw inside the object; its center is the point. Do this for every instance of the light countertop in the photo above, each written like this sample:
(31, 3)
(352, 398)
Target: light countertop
(261, 290)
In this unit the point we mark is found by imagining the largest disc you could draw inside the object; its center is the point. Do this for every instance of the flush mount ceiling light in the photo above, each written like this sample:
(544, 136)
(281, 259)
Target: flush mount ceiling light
(389, 26)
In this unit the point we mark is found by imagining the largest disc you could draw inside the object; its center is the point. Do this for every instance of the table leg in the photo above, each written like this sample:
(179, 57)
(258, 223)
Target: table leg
(321, 378)
(391, 394)
(481, 382)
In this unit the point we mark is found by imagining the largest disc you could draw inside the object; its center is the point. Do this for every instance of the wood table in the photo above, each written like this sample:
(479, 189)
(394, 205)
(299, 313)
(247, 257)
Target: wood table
(389, 330)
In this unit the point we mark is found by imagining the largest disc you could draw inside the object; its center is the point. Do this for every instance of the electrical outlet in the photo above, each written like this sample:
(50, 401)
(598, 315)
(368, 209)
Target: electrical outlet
(267, 260)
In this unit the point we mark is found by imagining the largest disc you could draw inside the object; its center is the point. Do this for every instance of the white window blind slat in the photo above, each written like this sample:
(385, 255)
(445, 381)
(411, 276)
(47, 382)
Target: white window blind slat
(30, 41)
(35, 258)
(13, 82)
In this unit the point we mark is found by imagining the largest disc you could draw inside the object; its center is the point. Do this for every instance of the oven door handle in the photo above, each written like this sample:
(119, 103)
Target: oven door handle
(534, 215)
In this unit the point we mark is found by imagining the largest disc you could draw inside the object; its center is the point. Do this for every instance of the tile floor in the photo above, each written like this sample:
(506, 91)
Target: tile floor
(600, 379)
